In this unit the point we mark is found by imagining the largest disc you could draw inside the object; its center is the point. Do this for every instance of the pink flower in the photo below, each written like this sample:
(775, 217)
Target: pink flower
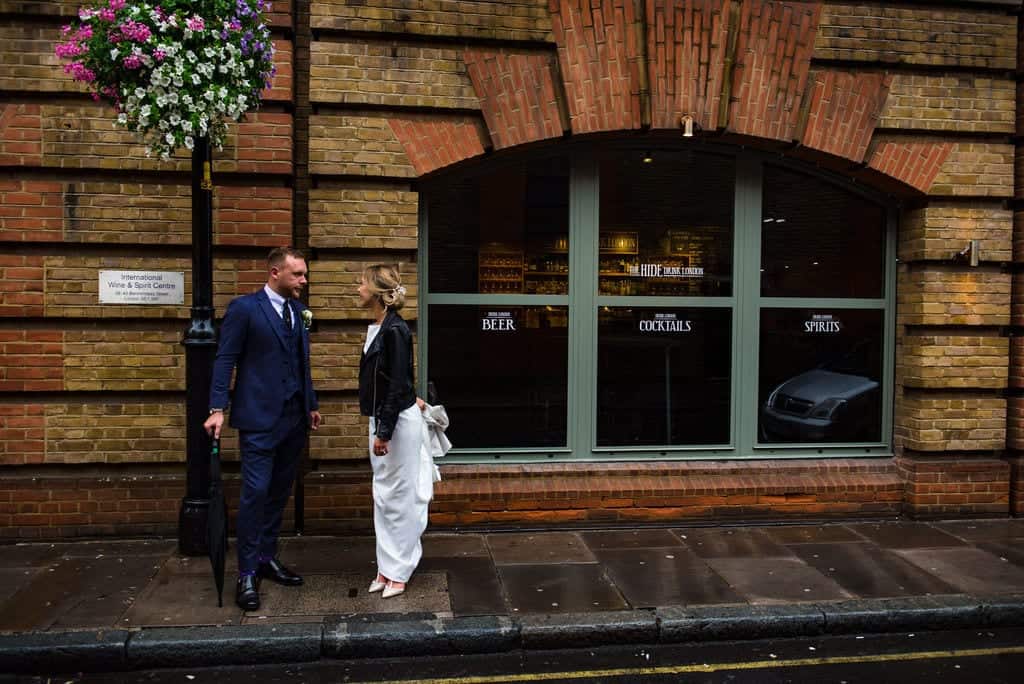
(159, 55)
(135, 31)
(107, 14)
(80, 72)
(195, 23)
(116, 4)
(65, 50)
(132, 62)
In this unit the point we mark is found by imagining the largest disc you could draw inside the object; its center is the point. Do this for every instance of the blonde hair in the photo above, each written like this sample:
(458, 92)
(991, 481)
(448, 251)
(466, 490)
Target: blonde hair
(383, 281)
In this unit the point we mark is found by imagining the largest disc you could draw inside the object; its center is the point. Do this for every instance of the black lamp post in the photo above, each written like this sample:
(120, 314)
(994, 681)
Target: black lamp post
(200, 340)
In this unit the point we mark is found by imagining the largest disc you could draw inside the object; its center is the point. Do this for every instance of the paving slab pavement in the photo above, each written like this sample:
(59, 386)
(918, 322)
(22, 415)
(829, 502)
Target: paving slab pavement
(129, 604)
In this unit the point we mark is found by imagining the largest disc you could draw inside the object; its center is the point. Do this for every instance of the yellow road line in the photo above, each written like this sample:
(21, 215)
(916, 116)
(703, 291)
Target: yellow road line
(713, 667)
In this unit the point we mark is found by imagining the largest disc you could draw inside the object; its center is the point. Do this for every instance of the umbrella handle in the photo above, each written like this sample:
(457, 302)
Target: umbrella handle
(215, 460)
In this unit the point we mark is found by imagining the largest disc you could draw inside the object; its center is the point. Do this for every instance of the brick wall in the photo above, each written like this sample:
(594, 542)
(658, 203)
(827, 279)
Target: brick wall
(917, 99)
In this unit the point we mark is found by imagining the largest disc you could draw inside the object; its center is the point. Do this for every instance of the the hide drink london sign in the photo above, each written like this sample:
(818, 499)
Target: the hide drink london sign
(659, 271)
(665, 323)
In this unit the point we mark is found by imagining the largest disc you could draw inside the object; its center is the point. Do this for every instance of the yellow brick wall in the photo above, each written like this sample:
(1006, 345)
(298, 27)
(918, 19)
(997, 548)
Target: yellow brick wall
(944, 423)
(522, 20)
(955, 361)
(904, 34)
(366, 217)
(957, 103)
(942, 228)
(356, 145)
(391, 73)
(942, 295)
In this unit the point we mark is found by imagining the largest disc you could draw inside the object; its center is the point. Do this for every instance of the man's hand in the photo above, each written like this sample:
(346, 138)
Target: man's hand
(380, 447)
(315, 420)
(214, 423)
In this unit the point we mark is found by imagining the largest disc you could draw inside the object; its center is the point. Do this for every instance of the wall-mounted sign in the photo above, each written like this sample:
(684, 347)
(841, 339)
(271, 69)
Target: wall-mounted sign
(822, 323)
(666, 322)
(498, 321)
(142, 287)
(659, 271)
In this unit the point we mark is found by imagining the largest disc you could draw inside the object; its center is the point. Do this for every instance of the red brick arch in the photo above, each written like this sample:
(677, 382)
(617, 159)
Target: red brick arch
(738, 67)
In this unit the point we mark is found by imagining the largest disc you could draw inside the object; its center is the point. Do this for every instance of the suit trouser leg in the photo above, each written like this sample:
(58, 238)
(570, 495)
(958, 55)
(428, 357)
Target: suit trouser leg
(286, 460)
(257, 449)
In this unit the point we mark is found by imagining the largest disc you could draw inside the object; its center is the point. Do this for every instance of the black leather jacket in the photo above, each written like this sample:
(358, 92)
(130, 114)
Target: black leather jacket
(386, 386)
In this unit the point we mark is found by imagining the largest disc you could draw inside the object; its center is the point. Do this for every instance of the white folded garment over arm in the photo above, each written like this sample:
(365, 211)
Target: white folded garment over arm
(434, 444)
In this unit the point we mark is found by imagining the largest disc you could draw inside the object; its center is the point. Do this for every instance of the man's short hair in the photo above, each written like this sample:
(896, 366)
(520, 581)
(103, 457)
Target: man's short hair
(277, 256)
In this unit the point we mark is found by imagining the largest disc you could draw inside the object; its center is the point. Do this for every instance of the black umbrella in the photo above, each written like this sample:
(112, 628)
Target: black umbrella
(217, 523)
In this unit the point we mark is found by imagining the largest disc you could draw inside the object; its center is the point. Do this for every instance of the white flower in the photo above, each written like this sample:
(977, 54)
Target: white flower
(191, 56)
(140, 93)
(196, 79)
(175, 119)
(122, 118)
(189, 142)
(145, 110)
(169, 138)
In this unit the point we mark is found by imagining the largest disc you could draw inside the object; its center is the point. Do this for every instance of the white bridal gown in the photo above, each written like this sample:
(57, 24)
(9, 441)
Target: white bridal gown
(399, 513)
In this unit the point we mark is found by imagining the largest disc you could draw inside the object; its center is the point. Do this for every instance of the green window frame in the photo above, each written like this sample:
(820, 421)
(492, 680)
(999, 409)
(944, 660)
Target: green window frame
(746, 304)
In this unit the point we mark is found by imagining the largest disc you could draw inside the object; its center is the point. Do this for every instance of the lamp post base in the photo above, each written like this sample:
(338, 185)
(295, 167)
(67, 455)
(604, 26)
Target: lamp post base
(192, 527)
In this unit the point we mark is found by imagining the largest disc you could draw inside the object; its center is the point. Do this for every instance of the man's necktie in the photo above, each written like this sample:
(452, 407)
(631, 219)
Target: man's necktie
(286, 314)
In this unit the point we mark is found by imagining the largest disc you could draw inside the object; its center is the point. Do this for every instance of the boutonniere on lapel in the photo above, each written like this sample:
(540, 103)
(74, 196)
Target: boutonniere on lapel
(307, 319)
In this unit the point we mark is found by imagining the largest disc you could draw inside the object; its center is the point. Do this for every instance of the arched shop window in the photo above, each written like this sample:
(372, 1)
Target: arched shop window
(611, 302)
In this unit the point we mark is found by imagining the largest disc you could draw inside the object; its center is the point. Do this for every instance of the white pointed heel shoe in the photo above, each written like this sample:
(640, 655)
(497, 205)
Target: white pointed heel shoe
(391, 590)
(376, 586)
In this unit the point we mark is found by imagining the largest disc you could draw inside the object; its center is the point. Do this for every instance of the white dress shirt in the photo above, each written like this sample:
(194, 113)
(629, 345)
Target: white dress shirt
(277, 300)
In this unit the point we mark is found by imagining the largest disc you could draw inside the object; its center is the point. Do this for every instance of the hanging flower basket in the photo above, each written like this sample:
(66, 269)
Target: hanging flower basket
(174, 70)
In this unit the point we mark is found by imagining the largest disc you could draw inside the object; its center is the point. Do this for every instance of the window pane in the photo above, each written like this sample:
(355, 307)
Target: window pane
(818, 240)
(821, 376)
(666, 224)
(663, 376)
(501, 374)
(505, 231)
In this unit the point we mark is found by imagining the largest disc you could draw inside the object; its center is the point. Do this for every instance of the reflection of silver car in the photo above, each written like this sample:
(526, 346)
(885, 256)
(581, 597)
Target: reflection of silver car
(822, 406)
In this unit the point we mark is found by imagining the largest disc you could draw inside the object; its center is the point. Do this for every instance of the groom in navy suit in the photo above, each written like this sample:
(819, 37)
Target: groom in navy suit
(263, 339)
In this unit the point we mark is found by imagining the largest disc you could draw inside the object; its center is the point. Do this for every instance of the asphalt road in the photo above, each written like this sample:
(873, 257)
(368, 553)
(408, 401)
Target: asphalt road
(909, 658)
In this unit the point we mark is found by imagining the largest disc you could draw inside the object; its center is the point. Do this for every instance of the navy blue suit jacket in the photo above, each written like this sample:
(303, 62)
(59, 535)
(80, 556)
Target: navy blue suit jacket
(252, 342)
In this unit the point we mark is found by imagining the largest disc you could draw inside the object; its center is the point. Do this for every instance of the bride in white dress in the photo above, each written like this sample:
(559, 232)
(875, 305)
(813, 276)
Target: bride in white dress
(387, 396)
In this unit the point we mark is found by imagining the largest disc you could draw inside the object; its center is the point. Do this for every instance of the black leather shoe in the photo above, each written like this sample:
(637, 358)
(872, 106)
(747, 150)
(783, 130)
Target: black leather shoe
(275, 572)
(247, 594)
